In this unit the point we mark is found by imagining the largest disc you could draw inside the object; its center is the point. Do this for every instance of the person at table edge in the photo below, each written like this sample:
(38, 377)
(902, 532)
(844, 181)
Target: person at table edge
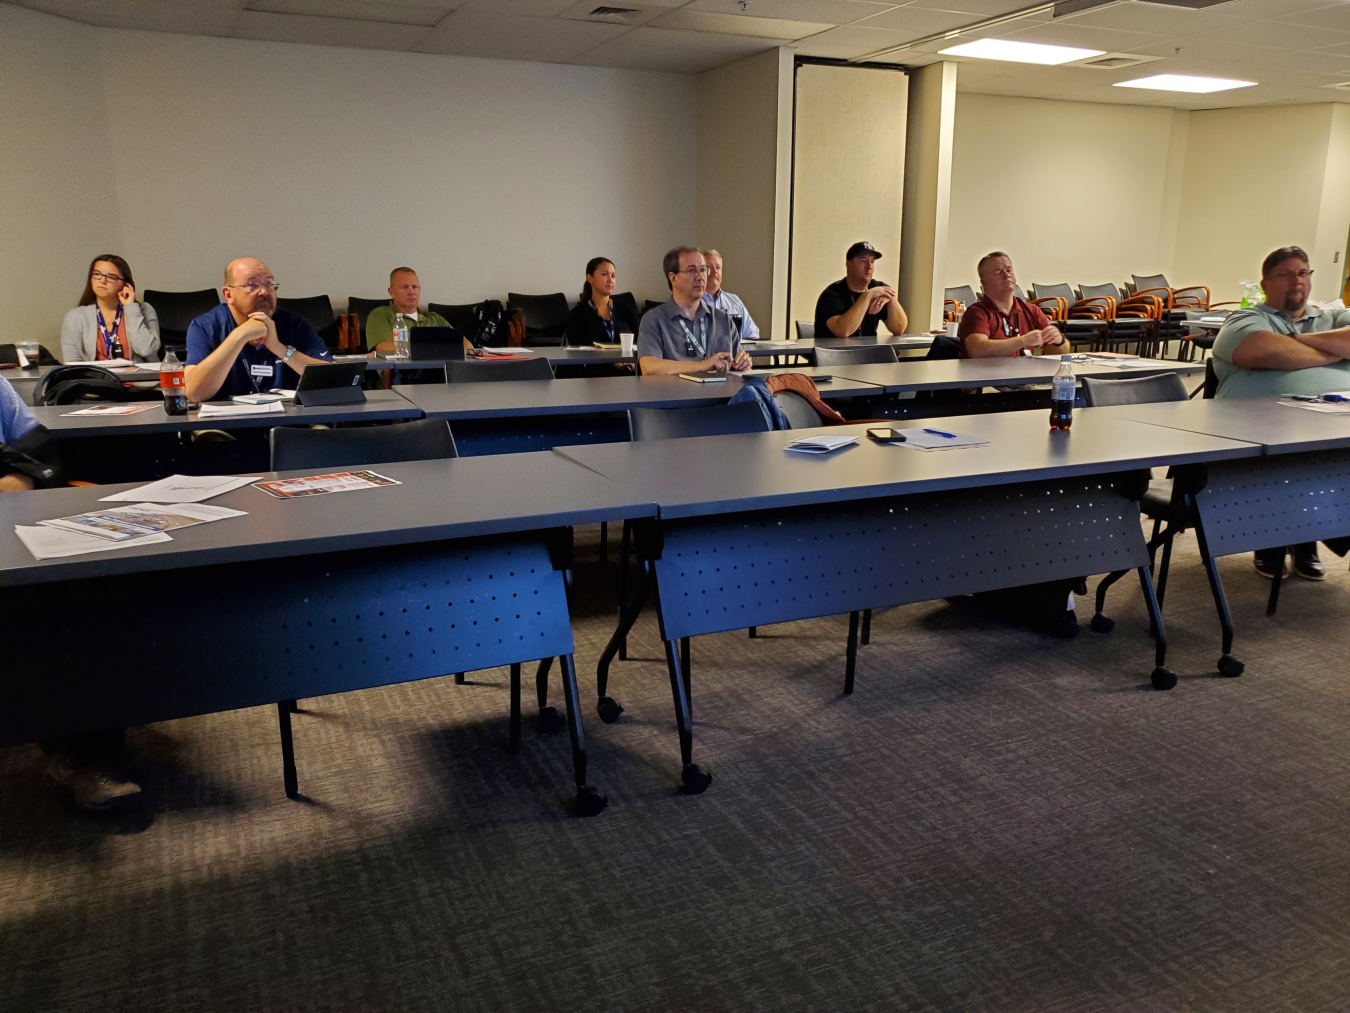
(684, 334)
(405, 291)
(1001, 324)
(1284, 346)
(719, 298)
(852, 306)
(246, 345)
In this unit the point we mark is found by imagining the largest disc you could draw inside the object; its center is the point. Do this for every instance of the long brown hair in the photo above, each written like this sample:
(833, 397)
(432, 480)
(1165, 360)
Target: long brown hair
(592, 266)
(111, 258)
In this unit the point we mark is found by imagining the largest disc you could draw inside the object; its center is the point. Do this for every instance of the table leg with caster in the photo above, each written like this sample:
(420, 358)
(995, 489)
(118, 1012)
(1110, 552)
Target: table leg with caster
(609, 709)
(1161, 677)
(1227, 664)
(589, 801)
(549, 718)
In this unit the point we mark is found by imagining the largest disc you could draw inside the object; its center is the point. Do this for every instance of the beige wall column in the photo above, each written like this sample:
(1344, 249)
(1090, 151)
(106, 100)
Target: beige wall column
(744, 160)
(928, 175)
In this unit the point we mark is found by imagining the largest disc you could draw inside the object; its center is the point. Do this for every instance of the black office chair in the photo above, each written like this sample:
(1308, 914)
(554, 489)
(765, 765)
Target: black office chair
(798, 410)
(363, 308)
(663, 424)
(806, 329)
(317, 311)
(545, 316)
(944, 346)
(473, 371)
(175, 311)
(626, 313)
(297, 449)
(1170, 502)
(827, 356)
(455, 314)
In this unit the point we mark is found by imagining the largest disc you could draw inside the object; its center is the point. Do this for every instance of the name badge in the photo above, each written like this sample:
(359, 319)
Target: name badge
(258, 369)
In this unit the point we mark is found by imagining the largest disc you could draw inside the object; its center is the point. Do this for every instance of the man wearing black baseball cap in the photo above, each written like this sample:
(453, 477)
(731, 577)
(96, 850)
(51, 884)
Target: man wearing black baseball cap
(852, 306)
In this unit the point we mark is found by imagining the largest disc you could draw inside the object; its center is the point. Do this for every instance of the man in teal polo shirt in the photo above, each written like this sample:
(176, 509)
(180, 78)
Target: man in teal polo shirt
(1284, 346)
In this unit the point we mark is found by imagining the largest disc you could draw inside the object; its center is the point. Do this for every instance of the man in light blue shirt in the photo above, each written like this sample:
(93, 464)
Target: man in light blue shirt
(715, 298)
(1284, 346)
(16, 422)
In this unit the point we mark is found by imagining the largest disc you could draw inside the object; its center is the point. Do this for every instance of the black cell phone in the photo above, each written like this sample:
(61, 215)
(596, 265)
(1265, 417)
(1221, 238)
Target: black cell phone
(886, 435)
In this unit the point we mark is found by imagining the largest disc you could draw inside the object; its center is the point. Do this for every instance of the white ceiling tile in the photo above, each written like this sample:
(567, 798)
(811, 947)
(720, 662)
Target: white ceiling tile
(1106, 39)
(977, 8)
(648, 48)
(192, 17)
(916, 21)
(1308, 63)
(386, 11)
(1341, 50)
(512, 37)
(1272, 8)
(325, 31)
(525, 8)
(1146, 17)
(1203, 49)
(580, 10)
(1336, 17)
(738, 24)
(1280, 34)
(829, 12)
(846, 43)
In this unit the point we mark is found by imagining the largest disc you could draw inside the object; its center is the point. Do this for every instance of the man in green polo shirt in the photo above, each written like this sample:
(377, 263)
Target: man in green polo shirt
(1284, 346)
(404, 292)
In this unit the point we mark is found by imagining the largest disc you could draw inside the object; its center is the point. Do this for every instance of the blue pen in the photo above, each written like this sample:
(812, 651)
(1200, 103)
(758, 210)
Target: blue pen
(1333, 398)
(939, 432)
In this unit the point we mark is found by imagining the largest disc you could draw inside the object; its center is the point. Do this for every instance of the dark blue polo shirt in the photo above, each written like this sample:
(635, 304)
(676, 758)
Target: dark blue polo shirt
(205, 334)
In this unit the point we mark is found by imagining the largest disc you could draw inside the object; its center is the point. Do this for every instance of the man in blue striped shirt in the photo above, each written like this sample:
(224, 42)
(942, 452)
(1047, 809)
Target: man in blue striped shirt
(715, 298)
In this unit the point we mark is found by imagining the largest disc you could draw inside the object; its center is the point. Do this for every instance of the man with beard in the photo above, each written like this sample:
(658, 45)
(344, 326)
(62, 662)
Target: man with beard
(684, 334)
(246, 345)
(1284, 346)
(857, 302)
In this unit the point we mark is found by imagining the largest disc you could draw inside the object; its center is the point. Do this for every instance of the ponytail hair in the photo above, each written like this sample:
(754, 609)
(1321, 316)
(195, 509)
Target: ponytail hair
(592, 266)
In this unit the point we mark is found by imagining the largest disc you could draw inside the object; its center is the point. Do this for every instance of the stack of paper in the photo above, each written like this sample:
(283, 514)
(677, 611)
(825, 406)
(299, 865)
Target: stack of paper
(1341, 408)
(109, 363)
(232, 410)
(181, 489)
(938, 439)
(822, 443)
(114, 409)
(276, 394)
(115, 528)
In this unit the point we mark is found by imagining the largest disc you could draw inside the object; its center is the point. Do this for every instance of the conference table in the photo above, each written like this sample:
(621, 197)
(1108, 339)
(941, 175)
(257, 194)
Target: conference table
(965, 374)
(769, 536)
(1294, 492)
(463, 566)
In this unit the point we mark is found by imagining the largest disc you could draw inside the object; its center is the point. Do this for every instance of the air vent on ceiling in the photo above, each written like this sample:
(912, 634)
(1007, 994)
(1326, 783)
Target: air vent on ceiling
(613, 12)
(1115, 61)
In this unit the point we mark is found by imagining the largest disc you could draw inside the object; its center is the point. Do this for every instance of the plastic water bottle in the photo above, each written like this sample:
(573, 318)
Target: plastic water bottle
(1062, 394)
(402, 345)
(172, 386)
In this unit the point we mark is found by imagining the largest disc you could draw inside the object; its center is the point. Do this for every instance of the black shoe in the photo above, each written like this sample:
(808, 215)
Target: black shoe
(1265, 560)
(1308, 566)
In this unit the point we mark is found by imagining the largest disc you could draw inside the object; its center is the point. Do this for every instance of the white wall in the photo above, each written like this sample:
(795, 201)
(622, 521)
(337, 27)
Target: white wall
(335, 165)
(1074, 192)
(58, 207)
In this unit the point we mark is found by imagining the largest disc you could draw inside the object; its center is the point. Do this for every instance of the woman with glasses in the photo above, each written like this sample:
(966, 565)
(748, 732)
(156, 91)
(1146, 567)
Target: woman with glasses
(109, 323)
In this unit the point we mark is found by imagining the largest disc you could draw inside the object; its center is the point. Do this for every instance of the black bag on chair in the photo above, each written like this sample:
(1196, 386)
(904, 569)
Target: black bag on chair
(486, 325)
(10, 353)
(74, 384)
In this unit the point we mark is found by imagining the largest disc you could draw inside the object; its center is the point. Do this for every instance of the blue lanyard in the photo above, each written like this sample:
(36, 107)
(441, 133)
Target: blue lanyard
(608, 324)
(112, 346)
(702, 347)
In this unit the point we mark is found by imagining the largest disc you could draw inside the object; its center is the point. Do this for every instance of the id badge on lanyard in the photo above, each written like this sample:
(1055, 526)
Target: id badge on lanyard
(260, 370)
(702, 348)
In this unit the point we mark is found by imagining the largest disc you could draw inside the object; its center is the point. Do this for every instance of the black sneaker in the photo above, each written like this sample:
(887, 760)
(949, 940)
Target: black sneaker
(1265, 560)
(1307, 564)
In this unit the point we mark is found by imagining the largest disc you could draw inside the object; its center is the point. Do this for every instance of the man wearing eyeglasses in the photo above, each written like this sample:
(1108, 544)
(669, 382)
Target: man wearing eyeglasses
(246, 345)
(1284, 346)
(684, 334)
(1001, 324)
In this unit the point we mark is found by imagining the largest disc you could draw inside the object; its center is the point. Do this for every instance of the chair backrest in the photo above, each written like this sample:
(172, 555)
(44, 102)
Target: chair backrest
(797, 409)
(176, 310)
(1064, 292)
(456, 314)
(423, 440)
(363, 307)
(1211, 379)
(857, 356)
(650, 304)
(478, 372)
(1142, 390)
(1091, 291)
(963, 294)
(545, 315)
(1017, 291)
(806, 329)
(678, 423)
(944, 346)
(626, 313)
(317, 311)
(1145, 282)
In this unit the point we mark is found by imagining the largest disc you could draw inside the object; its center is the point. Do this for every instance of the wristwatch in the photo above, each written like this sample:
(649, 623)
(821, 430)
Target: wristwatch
(290, 350)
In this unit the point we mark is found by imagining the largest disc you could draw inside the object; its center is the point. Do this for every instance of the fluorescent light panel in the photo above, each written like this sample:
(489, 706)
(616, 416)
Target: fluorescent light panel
(1020, 52)
(1185, 82)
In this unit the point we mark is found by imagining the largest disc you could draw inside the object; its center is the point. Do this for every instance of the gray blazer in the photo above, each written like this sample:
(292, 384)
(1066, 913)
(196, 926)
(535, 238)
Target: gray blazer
(79, 333)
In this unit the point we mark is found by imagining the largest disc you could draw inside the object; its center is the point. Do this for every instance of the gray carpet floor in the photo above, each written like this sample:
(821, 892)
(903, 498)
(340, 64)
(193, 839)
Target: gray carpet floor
(995, 820)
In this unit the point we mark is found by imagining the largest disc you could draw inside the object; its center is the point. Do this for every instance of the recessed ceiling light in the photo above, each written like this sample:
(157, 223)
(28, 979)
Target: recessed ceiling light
(1184, 82)
(1019, 52)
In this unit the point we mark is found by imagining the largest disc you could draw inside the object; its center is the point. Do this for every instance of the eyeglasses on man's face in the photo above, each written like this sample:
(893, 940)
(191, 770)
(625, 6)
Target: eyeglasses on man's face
(1287, 276)
(110, 278)
(694, 271)
(253, 287)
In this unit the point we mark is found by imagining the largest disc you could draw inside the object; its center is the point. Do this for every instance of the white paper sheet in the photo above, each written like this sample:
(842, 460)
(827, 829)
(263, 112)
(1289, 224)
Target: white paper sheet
(822, 443)
(921, 439)
(52, 543)
(106, 362)
(181, 489)
(123, 523)
(226, 411)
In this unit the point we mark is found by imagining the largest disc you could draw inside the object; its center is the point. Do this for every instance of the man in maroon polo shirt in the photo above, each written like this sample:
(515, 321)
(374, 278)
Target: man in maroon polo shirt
(1001, 324)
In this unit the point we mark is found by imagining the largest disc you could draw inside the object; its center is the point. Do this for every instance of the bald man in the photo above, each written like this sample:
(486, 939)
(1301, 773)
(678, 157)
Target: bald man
(246, 345)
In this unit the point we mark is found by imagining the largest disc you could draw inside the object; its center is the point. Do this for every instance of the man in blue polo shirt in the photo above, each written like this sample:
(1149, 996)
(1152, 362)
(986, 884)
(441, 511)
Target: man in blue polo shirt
(246, 345)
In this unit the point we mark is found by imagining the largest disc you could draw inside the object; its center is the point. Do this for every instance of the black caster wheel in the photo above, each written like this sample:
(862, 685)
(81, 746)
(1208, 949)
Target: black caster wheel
(1100, 624)
(459, 678)
(550, 720)
(609, 709)
(695, 781)
(1163, 679)
(590, 802)
(1230, 667)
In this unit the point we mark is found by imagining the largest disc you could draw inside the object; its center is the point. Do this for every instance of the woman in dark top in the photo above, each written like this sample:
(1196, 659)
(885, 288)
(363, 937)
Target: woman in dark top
(593, 318)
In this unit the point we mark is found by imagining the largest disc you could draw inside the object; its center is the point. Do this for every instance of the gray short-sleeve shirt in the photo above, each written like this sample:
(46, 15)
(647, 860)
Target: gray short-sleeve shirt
(666, 333)
(1235, 381)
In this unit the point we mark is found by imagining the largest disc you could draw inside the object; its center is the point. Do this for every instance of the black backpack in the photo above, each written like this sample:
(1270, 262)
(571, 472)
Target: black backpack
(486, 325)
(75, 384)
